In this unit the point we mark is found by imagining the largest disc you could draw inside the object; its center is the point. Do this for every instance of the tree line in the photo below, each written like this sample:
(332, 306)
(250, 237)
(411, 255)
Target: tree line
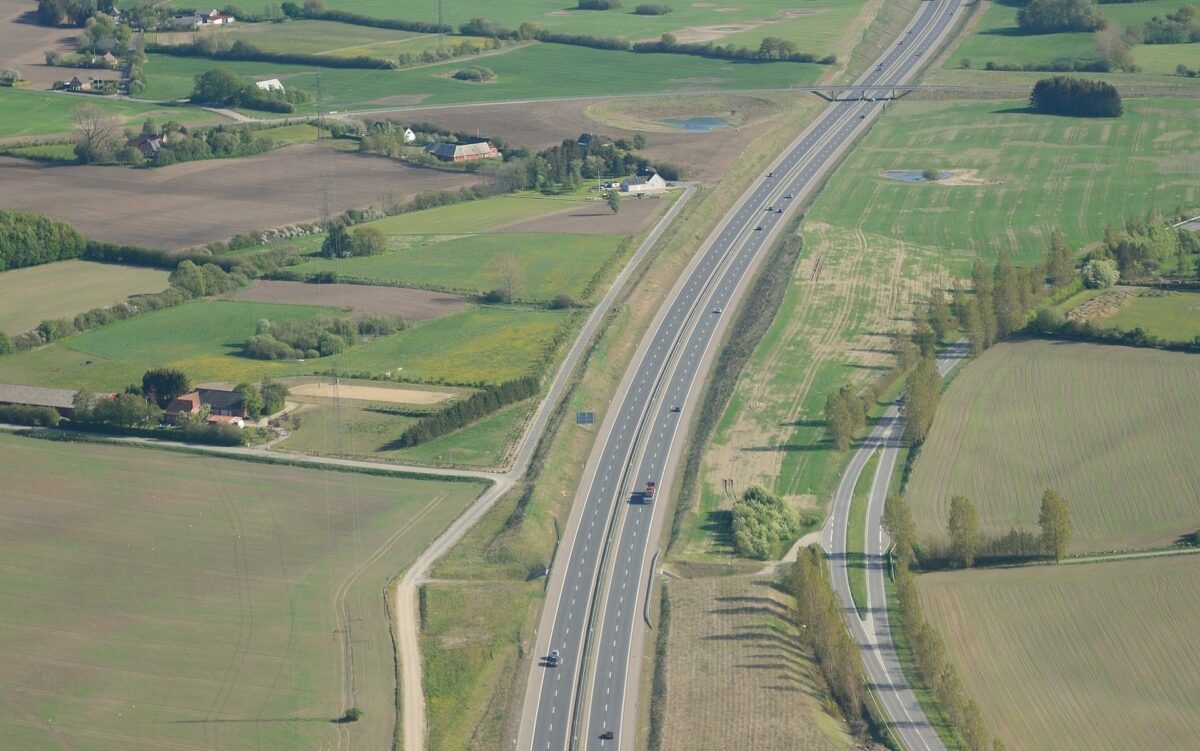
(217, 49)
(769, 49)
(31, 239)
(459, 414)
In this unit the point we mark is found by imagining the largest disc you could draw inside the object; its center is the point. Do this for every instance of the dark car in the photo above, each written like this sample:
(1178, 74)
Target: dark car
(607, 735)
(676, 408)
(553, 659)
(758, 228)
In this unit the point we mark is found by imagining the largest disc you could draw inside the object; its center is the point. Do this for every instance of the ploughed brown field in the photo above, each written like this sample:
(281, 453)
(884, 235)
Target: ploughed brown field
(412, 304)
(196, 203)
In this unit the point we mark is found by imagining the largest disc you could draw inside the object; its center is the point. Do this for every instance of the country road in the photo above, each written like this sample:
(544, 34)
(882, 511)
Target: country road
(597, 588)
(873, 633)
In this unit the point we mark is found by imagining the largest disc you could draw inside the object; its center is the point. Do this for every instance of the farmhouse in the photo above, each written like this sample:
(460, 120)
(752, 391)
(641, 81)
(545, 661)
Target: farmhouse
(204, 17)
(79, 84)
(62, 400)
(223, 406)
(587, 140)
(652, 184)
(463, 152)
(149, 144)
(409, 136)
(271, 84)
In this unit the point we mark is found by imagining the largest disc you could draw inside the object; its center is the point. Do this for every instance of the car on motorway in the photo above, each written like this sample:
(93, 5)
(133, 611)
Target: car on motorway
(607, 735)
(770, 174)
(789, 195)
(778, 211)
(554, 659)
(676, 408)
(758, 228)
(770, 208)
(718, 311)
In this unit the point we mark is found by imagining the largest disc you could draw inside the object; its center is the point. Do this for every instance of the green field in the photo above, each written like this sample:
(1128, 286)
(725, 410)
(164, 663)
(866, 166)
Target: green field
(327, 38)
(1172, 316)
(550, 264)
(824, 22)
(203, 338)
(163, 600)
(996, 39)
(521, 73)
(60, 290)
(1040, 172)
(1113, 429)
(34, 113)
(1076, 658)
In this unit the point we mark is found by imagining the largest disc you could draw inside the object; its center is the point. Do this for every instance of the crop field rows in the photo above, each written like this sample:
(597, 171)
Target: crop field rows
(1098, 655)
(163, 600)
(1112, 429)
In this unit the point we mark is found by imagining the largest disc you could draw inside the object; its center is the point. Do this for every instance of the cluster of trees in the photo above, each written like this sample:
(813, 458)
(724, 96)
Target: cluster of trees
(598, 4)
(1180, 27)
(71, 12)
(102, 33)
(462, 413)
(846, 414)
(929, 651)
(1082, 97)
(1146, 244)
(122, 410)
(819, 616)
(967, 546)
(652, 9)
(922, 392)
(209, 279)
(225, 87)
(770, 48)
(475, 73)
(1183, 70)
(31, 239)
(761, 520)
(340, 243)
(262, 399)
(218, 48)
(319, 336)
(1051, 16)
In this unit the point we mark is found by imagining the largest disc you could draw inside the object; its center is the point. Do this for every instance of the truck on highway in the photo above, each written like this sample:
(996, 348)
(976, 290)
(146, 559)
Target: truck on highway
(644, 496)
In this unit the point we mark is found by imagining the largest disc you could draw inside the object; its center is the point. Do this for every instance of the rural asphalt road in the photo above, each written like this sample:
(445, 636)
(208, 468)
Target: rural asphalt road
(873, 633)
(595, 595)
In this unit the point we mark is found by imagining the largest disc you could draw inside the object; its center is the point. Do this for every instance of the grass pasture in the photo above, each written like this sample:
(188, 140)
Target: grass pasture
(326, 38)
(525, 72)
(63, 289)
(1052, 662)
(163, 600)
(203, 338)
(1173, 316)
(549, 263)
(1031, 173)
(35, 113)
(1113, 429)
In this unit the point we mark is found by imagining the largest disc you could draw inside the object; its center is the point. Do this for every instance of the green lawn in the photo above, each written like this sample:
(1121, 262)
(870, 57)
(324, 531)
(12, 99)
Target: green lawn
(61, 290)
(769, 18)
(161, 600)
(203, 338)
(1112, 429)
(531, 71)
(478, 216)
(33, 113)
(1162, 58)
(1173, 316)
(550, 263)
(1040, 172)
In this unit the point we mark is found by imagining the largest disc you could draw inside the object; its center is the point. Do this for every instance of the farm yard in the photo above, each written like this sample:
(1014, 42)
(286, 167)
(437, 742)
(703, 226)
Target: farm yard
(63, 289)
(1079, 657)
(163, 600)
(203, 338)
(735, 633)
(1112, 429)
(158, 208)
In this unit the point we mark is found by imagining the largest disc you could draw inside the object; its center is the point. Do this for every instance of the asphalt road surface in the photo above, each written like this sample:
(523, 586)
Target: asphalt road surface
(873, 632)
(595, 621)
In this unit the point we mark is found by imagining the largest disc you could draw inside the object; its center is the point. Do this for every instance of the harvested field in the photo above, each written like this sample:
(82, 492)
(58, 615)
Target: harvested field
(412, 304)
(370, 393)
(1113, 429)
(737, 675)
(157, 600)
(539, 125)
(1101, 306)
(596, 218)
(61, 290)
(1076, 658)
(196, 203)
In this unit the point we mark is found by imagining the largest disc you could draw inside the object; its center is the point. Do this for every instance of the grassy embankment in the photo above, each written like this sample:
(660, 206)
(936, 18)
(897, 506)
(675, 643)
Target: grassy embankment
(78, 286)
(163, 600)
(1099, 655)
(517, 537)
(1110, 428)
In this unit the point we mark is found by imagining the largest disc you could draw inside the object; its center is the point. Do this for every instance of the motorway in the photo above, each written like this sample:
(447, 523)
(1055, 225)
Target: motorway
(595, 594)
(873, 633)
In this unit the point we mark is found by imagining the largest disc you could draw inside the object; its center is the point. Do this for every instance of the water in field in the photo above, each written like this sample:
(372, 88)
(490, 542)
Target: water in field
(698, 124)
(911, 176)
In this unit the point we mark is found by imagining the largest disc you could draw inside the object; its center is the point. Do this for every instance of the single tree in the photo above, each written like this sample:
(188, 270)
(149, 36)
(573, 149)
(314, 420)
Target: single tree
(252, 399)
(1060, 266)
(1055, 521)
(337, 243)
(163, 385)
(510, 276)
(965, 537)
(614, 201)
(941, 320)
(95, 134)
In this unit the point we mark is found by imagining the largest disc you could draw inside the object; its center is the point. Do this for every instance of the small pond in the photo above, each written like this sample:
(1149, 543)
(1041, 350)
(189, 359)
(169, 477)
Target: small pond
(698, 124)
(912, 176)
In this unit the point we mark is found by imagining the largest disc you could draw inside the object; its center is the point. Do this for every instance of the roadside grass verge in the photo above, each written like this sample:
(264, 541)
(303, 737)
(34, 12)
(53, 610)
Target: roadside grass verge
(1053, 663)
(1024, 417)
(521, 73)
(34, 294)
(236, 590)
(856, 536)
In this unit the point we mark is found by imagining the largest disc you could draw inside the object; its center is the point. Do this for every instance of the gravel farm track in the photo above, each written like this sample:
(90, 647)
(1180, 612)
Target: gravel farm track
(196, 203)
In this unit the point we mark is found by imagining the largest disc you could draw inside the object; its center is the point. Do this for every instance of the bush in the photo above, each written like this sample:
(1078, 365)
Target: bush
(1100, 274)
(475, 73)
(598, 4)
(1048, 320)
(562, 302)
(21, 414)
(652, 9)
